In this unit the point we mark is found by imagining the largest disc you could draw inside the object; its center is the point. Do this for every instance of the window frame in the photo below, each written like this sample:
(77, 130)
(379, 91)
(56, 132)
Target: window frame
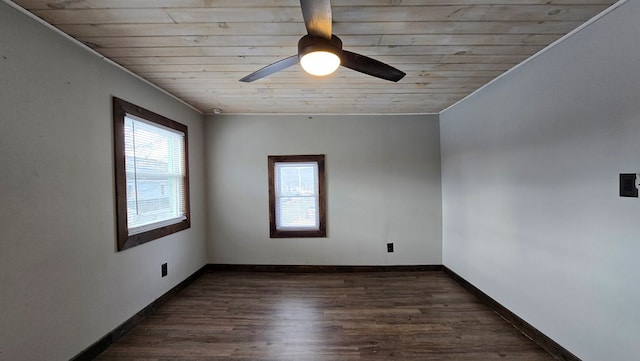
(125, 240)
(321, 232)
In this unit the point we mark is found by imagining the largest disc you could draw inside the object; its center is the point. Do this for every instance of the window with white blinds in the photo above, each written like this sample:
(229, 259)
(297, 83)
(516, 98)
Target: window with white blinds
(297, 200)
(296, 196)
(152, 180)
(154, 161)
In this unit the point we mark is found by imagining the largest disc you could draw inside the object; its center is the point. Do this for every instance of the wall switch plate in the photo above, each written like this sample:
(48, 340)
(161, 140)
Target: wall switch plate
(628, 185)
(390, 247)
(164, 269)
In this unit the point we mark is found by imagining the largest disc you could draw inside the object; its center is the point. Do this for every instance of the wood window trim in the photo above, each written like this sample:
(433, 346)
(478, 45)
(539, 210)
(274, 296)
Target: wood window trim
(321, 232)
(124, 241)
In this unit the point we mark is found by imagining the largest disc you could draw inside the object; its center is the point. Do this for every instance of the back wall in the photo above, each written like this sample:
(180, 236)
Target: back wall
(383, 185)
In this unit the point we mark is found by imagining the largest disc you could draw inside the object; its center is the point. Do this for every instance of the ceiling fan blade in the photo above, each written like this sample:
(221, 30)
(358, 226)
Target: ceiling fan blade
(370, 66)
(317, 17)
(271, 69)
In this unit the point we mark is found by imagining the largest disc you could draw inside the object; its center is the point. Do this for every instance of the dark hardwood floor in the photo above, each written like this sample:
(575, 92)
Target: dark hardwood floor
(254, 316)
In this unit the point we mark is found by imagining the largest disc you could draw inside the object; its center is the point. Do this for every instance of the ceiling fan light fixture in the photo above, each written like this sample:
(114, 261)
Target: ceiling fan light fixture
(320, 63)
(319, 56)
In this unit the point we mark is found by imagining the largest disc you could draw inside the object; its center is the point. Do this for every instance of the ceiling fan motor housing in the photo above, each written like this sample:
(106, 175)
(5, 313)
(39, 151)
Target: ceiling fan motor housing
(309, 43)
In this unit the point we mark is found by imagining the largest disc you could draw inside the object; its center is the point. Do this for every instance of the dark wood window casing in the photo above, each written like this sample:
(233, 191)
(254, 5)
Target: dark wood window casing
(124, 240)
(274, 232)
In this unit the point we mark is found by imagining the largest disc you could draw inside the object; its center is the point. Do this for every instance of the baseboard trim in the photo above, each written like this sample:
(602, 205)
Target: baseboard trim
(102, 344)
(544, 341)
(320, 269)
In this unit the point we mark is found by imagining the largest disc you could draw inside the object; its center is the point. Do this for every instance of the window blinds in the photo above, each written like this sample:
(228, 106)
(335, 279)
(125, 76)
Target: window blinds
(155, 172)
(297, 196)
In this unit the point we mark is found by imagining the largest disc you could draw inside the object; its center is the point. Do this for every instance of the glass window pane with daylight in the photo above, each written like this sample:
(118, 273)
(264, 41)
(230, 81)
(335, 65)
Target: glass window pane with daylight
(154, 158)
(297, 196)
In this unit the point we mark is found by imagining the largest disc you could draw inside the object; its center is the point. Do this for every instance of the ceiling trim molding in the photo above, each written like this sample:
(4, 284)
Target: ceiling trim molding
(322, 114)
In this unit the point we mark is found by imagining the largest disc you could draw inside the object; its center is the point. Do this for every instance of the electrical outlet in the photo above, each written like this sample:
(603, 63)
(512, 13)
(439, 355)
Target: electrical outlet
(389, 247)
(164, 269)
(628, 185)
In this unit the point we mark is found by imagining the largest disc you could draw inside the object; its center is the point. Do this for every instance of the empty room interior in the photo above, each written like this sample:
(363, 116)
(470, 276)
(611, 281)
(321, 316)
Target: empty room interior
(489, 149)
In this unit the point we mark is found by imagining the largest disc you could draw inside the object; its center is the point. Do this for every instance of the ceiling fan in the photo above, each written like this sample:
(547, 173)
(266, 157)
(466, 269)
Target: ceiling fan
(320, 52)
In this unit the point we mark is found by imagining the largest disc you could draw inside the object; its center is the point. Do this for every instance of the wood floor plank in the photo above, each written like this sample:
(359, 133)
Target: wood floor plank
(242, 316)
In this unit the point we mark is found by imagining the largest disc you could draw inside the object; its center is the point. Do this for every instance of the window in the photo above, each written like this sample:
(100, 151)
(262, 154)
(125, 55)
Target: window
(152, 178)
(297, 201)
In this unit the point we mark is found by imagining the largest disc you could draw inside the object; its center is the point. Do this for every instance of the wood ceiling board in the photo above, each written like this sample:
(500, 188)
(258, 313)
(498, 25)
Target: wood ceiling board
(261, 60)
(282, 52)
(340, 14)
(251, 67)
(344, 29)
(351, 42)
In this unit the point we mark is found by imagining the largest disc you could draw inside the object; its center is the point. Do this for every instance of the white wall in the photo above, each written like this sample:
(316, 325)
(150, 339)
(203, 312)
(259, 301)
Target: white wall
(63, 284)
(383, 185)
(530, 170)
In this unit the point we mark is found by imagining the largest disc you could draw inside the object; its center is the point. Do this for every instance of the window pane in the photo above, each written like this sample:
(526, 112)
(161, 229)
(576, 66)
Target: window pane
(296, 195)
(297, 212)
(154, 162)
(296, 178)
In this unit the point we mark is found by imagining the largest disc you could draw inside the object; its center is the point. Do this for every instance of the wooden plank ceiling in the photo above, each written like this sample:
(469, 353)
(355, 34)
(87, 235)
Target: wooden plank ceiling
(197, 50)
